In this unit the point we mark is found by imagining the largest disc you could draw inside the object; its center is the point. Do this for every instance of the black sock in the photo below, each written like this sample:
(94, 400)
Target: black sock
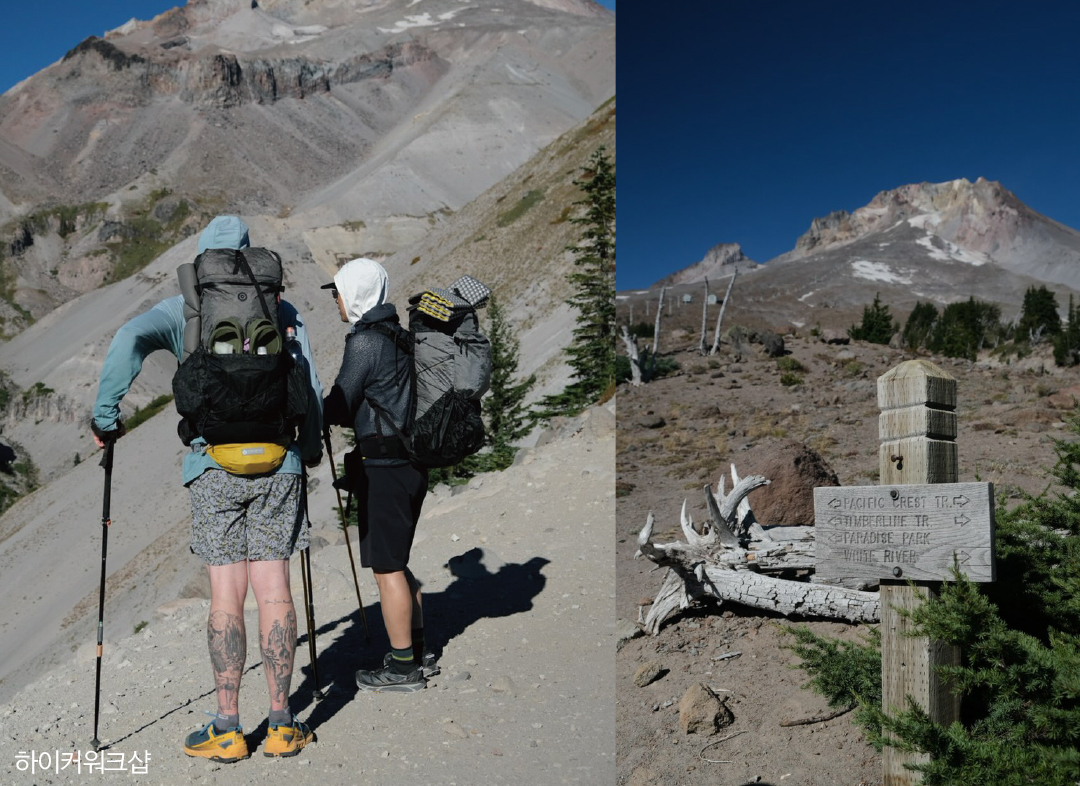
(223, 723)
(401, 661)
(418, 644)
(280, 718)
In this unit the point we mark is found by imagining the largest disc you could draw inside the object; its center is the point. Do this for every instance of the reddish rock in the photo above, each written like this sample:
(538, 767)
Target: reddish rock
(794, 470)
(1066, 398)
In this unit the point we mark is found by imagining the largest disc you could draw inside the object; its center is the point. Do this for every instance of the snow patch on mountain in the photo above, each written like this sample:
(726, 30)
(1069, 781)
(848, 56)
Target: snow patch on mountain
(951, 252)
(419, 20)
(920, 221)
(877, 271)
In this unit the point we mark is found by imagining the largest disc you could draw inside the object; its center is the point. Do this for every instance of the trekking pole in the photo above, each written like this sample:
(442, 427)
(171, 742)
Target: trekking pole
(309, 599)
(107, 463)
(345, 529)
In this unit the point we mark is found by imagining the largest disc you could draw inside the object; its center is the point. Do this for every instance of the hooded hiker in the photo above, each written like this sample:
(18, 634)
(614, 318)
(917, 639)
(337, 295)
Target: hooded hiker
(252, 418)
(376, 376)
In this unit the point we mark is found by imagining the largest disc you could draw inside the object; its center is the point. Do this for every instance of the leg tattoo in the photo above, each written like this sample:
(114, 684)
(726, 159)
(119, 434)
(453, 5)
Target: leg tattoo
(227, 640)
(278, 652)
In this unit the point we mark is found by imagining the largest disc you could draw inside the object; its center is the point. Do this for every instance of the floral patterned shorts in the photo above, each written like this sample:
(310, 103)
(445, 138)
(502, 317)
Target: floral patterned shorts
(236, 518)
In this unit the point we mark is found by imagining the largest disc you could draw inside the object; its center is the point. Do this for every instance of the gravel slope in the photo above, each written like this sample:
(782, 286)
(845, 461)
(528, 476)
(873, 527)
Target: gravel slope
(520, 599)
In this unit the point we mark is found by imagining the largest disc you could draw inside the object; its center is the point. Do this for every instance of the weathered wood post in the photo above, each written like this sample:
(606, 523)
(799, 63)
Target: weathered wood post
(913, 527)
(917, 429)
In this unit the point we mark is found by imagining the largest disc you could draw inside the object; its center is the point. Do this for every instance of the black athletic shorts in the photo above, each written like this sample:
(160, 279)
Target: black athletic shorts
(388, 500)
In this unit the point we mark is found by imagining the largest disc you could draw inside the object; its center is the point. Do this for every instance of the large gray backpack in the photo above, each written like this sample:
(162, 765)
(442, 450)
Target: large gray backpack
(234, 383)
(451, 367)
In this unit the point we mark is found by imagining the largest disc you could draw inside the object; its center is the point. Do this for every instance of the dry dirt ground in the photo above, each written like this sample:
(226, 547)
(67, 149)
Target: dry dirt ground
(718, 411)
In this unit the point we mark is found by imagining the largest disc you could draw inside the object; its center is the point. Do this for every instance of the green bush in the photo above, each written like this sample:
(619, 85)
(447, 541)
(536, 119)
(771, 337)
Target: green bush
(526, 203)
(788, 363)
(790, 380)
(141, 415)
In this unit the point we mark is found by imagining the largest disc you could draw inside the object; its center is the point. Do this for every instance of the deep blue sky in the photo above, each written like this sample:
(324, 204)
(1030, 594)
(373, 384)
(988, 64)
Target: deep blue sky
(744, 120)
(36, 34)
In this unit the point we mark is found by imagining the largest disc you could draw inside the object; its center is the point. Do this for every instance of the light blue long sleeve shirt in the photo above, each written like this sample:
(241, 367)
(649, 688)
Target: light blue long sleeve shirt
(162, 327)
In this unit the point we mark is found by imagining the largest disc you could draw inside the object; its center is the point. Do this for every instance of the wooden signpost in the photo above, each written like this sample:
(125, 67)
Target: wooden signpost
(913, 532)
(908, 530)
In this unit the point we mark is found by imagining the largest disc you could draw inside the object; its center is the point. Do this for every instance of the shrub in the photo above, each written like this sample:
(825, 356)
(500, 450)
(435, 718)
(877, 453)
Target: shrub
(788, 363)
(790, 380)
(141, 415)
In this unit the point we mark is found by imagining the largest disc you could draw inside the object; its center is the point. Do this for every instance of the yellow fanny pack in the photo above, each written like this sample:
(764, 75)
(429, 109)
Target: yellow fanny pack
(248, 458)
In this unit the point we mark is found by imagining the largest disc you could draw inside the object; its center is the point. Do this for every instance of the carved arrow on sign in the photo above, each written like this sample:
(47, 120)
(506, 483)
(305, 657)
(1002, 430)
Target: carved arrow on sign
(834, 503)
(962, 557)
(960, 501)
(962, 520)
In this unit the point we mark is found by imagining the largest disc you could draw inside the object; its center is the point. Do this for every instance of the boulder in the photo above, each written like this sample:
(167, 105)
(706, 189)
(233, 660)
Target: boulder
(701, 712)
(649, 673)
(794, 470)
(772, 343)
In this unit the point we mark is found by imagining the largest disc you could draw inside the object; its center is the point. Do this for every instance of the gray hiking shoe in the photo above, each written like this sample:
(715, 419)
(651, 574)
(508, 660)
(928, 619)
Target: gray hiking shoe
(386, 680)
(428, 664)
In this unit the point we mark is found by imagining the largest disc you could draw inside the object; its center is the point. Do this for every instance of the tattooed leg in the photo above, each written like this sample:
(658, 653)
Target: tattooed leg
(228, 648)
(225, 632)
(277, 627)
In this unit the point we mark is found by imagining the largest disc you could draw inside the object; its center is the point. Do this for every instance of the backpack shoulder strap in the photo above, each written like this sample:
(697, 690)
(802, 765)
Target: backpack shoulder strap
(405, 342)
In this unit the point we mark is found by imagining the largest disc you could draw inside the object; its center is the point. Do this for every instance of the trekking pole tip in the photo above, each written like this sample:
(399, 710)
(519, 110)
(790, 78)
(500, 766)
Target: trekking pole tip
(96, 743)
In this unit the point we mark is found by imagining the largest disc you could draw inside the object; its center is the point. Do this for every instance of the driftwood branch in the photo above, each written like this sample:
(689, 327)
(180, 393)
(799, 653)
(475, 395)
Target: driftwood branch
(733, 558)
(720, 317)
(819, 718)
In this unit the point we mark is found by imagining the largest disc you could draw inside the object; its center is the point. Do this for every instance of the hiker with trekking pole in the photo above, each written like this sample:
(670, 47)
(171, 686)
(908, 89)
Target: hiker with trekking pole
(253, 420)
(387, 489)
(412, 398)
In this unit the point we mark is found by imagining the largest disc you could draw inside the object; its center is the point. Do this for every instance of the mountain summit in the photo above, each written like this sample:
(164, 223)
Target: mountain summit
(931, 242)
(975, 223)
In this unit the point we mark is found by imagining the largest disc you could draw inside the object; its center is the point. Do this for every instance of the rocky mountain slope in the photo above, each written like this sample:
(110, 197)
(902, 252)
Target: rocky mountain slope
(930, 242)
(718, 263)
(348, 119)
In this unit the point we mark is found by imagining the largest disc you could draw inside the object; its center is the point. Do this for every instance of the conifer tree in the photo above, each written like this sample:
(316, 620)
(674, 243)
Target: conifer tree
(508, 419)
(592, 351)
(1067, 342)
(1039, 315)
(877, 325)
(919, 324)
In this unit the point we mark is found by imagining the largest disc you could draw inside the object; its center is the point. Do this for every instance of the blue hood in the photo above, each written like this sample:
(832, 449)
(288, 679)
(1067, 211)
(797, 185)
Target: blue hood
(224, 232)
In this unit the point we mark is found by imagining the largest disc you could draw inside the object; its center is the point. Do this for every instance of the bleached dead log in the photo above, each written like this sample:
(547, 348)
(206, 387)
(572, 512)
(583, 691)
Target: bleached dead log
(720, 317)
(704, 318)
(632, 353)
(656, 328)
(730, 557)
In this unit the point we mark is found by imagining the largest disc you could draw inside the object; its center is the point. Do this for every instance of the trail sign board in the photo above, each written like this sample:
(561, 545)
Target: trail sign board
(904, 532)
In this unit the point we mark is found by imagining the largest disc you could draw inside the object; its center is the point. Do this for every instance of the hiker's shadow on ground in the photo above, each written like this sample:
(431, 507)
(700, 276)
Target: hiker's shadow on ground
(482, 587)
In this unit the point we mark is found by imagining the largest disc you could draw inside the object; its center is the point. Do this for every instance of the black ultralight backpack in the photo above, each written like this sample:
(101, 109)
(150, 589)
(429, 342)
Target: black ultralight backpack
(235, 384)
